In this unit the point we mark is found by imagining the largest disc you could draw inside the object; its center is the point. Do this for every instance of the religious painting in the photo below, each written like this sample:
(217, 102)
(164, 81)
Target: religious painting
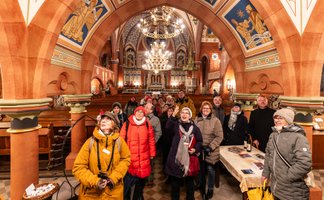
(83, 22)
(247, 25)
(80, 22)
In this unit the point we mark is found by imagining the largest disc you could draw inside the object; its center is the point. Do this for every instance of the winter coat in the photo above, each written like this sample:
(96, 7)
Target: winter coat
(212, 134)
(122, 117)
(140, 139)
(219, 113)
(130, 107)
(261, 121)
(156, 124)
(288, 183)
(236, 136)
(171, 168)
(186, 102)
(86, 169)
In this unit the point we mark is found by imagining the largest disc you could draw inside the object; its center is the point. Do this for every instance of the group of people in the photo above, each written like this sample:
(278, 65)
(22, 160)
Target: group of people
(117, 161)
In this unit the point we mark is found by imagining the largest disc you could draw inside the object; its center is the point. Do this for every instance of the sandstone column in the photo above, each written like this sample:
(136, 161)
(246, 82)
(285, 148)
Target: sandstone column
(24, 147)
(77, 104)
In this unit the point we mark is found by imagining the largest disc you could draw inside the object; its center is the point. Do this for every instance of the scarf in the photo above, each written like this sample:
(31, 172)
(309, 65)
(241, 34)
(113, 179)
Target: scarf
(182, 156)
(232, 119)
(139, 122)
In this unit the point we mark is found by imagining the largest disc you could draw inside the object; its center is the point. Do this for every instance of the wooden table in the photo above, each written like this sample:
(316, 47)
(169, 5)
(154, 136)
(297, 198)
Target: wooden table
(237, 161)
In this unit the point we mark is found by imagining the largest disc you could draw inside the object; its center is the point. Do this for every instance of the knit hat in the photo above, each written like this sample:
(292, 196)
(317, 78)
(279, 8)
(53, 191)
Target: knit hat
(287, 113)
(187, 109)
(110, 116)
(238, 105)
(116, 104)
(140, 108)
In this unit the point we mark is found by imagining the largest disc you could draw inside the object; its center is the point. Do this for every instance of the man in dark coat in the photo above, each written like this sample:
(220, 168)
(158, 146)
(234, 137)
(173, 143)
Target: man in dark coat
(218, 110)
(261, 121)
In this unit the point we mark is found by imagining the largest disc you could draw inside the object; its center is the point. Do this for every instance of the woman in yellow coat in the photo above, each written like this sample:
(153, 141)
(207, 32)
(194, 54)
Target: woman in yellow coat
(102, 162)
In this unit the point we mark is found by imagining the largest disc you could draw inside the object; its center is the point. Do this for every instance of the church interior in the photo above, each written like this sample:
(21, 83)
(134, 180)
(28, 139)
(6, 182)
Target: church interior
(64, 61)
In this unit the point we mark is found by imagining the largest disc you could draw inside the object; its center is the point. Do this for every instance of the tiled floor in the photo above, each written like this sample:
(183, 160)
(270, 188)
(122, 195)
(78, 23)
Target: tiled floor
(228, 190)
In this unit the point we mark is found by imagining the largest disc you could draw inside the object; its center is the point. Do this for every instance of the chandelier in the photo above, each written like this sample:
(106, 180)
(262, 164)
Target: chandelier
(162, 24)
(157, 59)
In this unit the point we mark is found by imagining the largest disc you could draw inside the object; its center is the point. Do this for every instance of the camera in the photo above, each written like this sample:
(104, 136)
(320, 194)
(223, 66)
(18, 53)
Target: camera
(110, 184)
(102, 175)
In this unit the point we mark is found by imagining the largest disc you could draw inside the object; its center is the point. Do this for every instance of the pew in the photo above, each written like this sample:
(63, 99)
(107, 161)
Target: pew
(45, 139)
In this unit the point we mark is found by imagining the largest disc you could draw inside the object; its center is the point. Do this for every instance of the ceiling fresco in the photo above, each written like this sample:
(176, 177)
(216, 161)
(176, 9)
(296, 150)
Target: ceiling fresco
(240, 17)
(83, 22)
(248, 27)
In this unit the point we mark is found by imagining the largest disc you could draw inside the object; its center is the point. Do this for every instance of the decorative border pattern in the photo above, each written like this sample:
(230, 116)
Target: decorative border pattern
(263, 61)
(66, 58)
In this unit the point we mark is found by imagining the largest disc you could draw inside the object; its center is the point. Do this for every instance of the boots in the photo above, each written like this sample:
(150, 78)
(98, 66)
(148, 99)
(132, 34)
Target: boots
(210, 193)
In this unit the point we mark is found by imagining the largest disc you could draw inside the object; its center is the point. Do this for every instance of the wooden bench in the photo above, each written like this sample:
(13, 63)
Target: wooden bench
(45, 139)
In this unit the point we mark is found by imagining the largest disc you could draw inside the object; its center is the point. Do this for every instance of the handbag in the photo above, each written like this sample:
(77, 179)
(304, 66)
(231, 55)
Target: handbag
(194, 166)
(309, 178)
(260, 193)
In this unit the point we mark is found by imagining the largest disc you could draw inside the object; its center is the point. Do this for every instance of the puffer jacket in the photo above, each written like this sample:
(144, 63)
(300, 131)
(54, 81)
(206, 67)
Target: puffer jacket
(212, 134)
(86, 169)
(140, 139)
(288, 183)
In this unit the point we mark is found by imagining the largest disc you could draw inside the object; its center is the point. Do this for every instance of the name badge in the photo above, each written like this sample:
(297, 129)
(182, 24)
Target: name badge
(106, 151)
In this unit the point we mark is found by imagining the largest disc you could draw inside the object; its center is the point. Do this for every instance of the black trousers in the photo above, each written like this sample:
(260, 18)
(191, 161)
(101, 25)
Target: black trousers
(176, 183)
(138, 192)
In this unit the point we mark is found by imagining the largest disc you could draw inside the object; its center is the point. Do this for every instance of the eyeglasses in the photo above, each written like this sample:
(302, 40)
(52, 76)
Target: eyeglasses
(206, 108)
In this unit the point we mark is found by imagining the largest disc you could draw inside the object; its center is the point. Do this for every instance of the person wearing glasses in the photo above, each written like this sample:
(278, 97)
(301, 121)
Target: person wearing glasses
(185, 147)
(288, 158)
(212, 133)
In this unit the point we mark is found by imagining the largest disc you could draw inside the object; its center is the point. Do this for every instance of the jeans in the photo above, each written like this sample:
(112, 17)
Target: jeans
(211, 176)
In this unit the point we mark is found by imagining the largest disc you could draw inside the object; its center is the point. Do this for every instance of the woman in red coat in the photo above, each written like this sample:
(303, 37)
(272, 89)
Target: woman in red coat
(139, 135)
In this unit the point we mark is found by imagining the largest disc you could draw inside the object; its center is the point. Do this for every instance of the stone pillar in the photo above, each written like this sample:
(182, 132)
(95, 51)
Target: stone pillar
(77, 104)
(114, 66)
(248, 101)
(24, 146)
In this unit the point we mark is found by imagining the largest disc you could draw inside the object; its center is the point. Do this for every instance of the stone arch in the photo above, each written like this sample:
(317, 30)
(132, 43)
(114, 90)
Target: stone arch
(43, 32)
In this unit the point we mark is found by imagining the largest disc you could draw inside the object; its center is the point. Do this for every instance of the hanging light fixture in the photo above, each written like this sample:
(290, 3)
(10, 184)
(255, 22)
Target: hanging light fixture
(162, 24)
(157, 59)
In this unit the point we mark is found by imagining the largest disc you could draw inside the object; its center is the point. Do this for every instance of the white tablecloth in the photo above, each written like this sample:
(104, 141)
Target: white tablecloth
(236, 163)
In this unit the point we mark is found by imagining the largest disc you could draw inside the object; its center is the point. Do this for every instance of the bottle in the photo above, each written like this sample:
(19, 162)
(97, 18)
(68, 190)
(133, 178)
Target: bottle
(249, 143)
(245, 143)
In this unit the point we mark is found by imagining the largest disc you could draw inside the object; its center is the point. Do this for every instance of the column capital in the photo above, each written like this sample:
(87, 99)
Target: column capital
(24, 113)
(305, 107)
(248, 101)
(77, 102)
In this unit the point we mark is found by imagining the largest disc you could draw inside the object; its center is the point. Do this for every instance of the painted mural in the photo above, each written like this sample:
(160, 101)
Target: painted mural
(243, 19)
(80, 22)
